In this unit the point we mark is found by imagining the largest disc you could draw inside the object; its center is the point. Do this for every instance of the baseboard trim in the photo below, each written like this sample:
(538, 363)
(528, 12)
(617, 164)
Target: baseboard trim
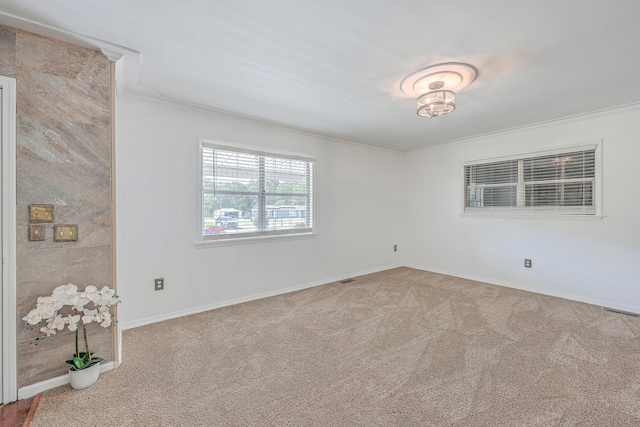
(33, 389)
(200, 309)
(579, 298)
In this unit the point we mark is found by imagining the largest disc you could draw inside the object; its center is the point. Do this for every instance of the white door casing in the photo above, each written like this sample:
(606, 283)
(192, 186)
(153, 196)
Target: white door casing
(8, 342)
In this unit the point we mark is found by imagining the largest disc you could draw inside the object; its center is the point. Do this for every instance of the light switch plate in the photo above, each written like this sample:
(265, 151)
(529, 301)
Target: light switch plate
(36, 232)
(40, 213)
(65, 233)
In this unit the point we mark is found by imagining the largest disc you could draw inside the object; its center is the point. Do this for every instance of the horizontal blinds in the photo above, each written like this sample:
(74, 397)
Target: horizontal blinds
(561, 182)
(565, 180)
(254, 193)
(225, 170)
(285, 176)
(492, 184)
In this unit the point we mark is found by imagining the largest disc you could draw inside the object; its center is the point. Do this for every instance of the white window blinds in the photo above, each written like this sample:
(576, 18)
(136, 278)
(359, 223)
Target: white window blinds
(247, 193)
(561, 182)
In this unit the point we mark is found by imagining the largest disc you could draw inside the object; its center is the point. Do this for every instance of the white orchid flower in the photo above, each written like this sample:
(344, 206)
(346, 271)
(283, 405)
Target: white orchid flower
(47, 313)
(107, 291)
(89, 316)
(58, 323)
(72, 321)
(82, 301)
(91, 293)
(34, 317)
(47, 331)
(90, 305)
(68, 288)
(49, 303)
(66, 294)
(105, 296)
(71, 299)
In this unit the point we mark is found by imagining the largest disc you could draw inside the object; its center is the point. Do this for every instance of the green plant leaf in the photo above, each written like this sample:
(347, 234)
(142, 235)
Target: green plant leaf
(94, 361)
(84, 362)
(78, 362)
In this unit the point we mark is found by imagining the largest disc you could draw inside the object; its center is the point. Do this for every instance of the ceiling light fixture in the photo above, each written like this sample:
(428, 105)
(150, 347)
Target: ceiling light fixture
(435, 85)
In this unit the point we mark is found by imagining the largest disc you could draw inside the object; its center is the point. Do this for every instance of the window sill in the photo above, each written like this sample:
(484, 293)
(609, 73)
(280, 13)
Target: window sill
(251, 240)
(570, 217)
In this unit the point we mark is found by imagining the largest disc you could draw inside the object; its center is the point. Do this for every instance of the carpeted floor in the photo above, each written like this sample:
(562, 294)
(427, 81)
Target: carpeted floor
(398, 348)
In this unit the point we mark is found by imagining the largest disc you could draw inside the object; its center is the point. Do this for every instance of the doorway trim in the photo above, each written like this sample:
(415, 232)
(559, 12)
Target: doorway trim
(8, 153)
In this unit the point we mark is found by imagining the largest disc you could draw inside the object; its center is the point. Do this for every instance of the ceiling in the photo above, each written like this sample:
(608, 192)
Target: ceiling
(334, 67)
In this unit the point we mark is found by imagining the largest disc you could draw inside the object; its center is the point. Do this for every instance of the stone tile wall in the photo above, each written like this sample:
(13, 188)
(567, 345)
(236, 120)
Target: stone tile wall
(64, 159)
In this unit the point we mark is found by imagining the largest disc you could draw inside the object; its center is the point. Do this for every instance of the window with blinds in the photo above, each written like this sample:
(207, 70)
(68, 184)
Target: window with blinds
(560, 182)
(249, 194)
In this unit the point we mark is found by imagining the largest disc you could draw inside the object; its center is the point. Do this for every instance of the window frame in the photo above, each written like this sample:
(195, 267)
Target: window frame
(205, 240)
(539, 212)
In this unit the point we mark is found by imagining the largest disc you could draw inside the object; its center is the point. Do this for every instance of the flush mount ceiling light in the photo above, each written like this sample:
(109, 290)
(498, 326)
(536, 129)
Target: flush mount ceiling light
(435, 87)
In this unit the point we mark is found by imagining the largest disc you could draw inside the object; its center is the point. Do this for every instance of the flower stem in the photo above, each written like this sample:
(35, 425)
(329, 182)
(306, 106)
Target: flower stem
(77, 349)
(86, 342)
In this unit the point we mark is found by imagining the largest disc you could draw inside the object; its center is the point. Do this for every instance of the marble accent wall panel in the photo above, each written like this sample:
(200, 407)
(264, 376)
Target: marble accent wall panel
(59, 98)
(7, 51)
(63, 159)
(64, 142)
(54, 58)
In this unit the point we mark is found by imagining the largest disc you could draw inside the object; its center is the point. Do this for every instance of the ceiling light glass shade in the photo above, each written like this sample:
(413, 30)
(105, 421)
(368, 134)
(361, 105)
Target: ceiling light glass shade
(436, 103)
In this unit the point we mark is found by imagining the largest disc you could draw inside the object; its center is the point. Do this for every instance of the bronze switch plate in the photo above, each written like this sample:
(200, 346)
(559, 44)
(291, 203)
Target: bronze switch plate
(40, 213)
(65, 233)
(36, 232)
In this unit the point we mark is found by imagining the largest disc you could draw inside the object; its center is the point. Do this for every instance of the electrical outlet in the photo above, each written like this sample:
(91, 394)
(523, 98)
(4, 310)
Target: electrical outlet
(527, 263)
(159, 284)
(395, 248)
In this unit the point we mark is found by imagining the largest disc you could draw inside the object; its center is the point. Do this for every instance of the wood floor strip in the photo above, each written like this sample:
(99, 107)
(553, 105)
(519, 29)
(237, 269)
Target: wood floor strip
(20, 413)
(32, 409)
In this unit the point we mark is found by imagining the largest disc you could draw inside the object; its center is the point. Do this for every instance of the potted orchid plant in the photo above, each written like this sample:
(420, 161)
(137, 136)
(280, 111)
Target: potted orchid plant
(80, 308)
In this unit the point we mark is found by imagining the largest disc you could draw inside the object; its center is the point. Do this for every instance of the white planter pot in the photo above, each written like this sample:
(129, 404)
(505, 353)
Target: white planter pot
(84, 377)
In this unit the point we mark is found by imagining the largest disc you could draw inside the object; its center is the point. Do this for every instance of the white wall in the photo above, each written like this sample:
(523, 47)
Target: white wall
(361, 212)
(358, 199)
(592, 261)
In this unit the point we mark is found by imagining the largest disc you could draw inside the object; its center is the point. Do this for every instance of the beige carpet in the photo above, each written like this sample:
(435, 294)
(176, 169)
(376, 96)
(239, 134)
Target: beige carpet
(397, 348)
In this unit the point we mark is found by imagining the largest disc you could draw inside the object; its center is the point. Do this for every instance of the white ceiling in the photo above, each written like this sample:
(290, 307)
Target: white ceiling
(334, 67)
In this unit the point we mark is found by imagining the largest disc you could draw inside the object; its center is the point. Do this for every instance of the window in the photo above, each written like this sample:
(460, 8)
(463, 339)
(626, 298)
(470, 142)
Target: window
(249, 194)
(558, 182)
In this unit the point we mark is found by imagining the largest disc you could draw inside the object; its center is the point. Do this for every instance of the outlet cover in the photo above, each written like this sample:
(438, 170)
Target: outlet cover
(40, 213)
(36, 232)
(159, 284)
(65, 233)
(527, 263)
